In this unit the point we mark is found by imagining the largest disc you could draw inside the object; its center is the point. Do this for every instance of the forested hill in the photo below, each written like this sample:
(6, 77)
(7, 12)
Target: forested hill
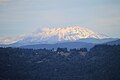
(102, 62)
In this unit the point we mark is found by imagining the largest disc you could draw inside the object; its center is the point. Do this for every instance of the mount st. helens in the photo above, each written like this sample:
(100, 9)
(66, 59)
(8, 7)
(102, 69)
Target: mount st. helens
(56, 35)
(61, 37)
(68, 33)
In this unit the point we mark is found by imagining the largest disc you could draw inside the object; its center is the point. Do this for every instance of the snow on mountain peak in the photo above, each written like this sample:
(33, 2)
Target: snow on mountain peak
(54, 35)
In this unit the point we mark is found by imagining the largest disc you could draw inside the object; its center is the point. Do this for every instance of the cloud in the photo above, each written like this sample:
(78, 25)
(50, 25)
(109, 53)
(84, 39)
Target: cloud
(4, 2)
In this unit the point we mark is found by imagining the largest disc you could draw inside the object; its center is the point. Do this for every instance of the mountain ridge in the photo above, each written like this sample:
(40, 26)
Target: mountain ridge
(55, 35)
(62, 35)
(68, 45)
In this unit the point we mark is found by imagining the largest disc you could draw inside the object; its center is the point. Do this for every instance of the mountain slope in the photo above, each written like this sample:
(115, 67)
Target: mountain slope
(56, 35)
(60, 35)
(68, 45)
(97, 41)
(116, 42)
(82, 43)
(68, 33)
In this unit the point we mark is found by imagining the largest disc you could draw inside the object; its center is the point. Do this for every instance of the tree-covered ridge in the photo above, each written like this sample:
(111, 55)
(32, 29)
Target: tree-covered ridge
(102, 62)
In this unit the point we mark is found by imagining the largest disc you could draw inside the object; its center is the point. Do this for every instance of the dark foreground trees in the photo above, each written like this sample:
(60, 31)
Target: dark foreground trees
(102, 62)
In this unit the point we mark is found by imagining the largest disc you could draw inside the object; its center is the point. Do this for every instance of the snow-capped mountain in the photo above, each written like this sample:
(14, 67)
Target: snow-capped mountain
(68, 33)
(55, 35)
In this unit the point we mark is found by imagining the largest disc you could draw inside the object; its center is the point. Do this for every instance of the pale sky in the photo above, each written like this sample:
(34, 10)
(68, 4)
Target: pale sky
(24, 16)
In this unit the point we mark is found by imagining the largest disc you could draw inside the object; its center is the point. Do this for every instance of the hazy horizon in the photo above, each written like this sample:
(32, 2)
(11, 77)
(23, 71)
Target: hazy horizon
(25, 16)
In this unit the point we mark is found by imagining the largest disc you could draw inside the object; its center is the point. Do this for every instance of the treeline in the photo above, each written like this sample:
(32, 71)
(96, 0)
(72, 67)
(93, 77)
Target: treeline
(42, 50)
(102, 62)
